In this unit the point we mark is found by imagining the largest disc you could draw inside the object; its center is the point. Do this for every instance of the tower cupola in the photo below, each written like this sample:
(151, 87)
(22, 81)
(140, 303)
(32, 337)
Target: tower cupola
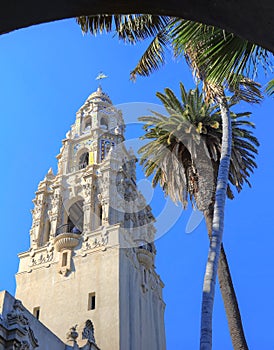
(99, 127)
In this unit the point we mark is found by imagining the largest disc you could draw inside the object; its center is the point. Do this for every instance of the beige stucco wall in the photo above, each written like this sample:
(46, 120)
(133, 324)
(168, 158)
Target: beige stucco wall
(129, 311)
(142, 307)
(46, 339)
(63, 300)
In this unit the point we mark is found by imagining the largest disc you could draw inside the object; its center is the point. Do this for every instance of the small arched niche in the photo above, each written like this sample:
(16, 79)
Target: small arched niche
(83, 160)
(87, 124)
(45, 229)
(98, 217)
(104, 123)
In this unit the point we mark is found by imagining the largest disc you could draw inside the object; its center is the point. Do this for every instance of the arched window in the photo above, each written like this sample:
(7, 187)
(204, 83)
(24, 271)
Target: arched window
(75, 219)
(106, 145)
(87, 124)
(83, 160)
(104, 123)
(100, 215)
(145, 276)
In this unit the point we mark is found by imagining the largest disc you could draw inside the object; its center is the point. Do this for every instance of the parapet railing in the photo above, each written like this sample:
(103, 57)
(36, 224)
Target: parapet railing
(66, 228)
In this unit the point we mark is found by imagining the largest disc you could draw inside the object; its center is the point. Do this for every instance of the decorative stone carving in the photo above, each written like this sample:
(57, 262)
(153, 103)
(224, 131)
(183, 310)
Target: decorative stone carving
(33, 340)
(130, 253)
(95, 242)
(65, 262)
(72, 333)
(54, 207)
(42, 258)
(17, 320)
(36, 213)
(87, 190)
(16, 316)
(105, 207)
(66, 241)
(145, 255)
(145, 258)
(16, 345)
(117, 130)
(25, 345)
(76, 147)
(88, 332)
(152, 282)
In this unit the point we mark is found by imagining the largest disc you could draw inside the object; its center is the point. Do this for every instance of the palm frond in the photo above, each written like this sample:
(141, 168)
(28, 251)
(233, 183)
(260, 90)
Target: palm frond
(141, 27)
(153, 58)
(270, 87)
(222, 56)
(245, 89)
(184, 148)
(129, 27)
(98, 24)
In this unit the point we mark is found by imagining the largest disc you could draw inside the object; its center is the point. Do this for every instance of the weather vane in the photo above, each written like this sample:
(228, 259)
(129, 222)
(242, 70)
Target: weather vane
(101, 76)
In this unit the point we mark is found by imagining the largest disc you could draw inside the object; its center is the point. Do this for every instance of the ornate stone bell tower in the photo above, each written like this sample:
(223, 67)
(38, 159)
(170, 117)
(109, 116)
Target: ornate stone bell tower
(91, 257)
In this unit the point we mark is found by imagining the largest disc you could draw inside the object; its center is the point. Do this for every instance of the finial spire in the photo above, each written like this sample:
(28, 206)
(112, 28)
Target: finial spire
(100, 76)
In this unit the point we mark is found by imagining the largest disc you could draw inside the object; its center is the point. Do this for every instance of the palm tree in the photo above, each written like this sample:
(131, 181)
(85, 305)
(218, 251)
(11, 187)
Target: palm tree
(193, 128)
(197, 42)
(223, 55)
(197, 51)
(184, 153)
(203, 46)
(229, 54)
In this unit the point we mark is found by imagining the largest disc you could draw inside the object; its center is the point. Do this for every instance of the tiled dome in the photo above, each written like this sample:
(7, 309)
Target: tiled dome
(99, 96)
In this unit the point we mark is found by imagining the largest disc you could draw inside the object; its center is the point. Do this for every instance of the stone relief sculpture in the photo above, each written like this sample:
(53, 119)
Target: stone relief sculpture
(72, 333)
(88, 332)
(25, 339)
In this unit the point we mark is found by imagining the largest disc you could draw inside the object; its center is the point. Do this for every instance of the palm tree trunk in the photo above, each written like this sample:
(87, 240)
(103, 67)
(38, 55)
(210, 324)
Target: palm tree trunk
(228, 294)
(217, 229)
(231, 304)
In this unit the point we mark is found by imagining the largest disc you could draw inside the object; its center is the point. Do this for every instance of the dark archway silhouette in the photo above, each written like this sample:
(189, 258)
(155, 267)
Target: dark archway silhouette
(250, 19)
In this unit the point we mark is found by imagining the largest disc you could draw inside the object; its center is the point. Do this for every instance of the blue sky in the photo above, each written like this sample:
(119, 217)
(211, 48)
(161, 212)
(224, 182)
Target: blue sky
(47, 72)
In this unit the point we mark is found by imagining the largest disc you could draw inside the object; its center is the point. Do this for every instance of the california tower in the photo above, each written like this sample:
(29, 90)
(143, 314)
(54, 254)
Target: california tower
(89, 275)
